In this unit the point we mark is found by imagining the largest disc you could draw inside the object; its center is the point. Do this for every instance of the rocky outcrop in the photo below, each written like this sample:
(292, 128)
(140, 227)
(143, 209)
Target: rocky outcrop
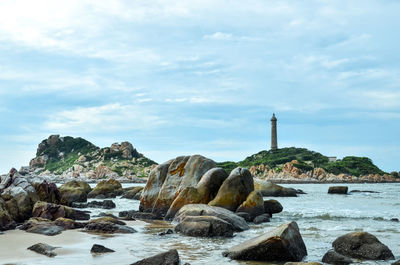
(253, 205)
(106, 189)
(338, 190)
(238, 223)
(332, 257)
(234, 190)
(204, 226)
(47, 192)
(99, 249)
(168, 180)
(272, 207)
(167, 258)
(6, 221)
(43, 249)
(362, 245)
(284, 243)
(74, 191)
(270, 189)
(53, 211)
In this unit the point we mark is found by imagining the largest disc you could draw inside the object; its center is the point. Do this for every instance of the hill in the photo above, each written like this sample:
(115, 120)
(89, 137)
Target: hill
(306, 160)
(74, 157)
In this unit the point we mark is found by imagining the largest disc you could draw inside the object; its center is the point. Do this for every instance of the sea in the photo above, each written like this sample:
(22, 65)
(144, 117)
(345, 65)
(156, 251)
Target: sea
(321, 217)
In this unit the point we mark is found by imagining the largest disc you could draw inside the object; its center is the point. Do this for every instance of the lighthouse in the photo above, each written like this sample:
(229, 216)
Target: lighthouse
(274, 136)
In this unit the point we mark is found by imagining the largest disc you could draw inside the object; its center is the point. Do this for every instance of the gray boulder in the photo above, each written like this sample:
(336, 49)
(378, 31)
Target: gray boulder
(282, 244)
(238, 223)
(204, 226)
(338, 190)
(98, 249)
(332, 257)
(263, 218)
(362, 245)
(167, 258)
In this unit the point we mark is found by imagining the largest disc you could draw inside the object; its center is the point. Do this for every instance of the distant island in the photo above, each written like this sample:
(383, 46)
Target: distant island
(68, 157)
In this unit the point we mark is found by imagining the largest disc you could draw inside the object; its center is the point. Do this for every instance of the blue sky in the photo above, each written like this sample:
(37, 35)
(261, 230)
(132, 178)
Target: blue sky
(185, 77)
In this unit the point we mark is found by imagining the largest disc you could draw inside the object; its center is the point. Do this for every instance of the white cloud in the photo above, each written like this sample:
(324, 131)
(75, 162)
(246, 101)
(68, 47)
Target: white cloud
(219, 36)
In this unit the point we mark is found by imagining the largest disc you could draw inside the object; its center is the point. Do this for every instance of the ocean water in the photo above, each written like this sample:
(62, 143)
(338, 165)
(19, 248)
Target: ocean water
(321, 218)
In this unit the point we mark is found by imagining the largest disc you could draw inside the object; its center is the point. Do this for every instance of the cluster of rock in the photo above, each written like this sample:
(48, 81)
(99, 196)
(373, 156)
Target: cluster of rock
(291, 173)
(120, 160)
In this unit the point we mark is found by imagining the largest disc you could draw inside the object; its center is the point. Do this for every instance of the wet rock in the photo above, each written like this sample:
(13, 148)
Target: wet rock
(362, 245)
(394, 219)
(253, 205)
(167, 258)
(204, 226)
(338, 190)
(98, 249)
(245, 216)
(108, 228)
(284, 243)
(53, 211)
(234, 190)
(74, 191)
(132, 215)
(238, 223)
(47, 192)
(168, 232)
(103, 214)
(132, 192)
(106, 189)
(272, 207)
(43, 249)
(106, 204)
(6, 221)
(263, 218)
(270, 189)
(332, 257)
(41, 226)
(68, 223)
(107, 219)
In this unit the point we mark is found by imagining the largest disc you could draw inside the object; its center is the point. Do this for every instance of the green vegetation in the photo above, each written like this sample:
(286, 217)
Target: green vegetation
(307, 160)
(66, 146)
(59, 166)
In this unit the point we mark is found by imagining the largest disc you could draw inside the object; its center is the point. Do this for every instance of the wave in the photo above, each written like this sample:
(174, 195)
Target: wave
(335, 217)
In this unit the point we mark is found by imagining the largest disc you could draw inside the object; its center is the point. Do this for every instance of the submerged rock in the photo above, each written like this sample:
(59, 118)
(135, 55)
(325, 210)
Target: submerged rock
(204, 226)
(106, 189)
(98, 249)
(43, 249)
(234, 190)
(338, 190)
(167, 258)
(270, 189)
(284, 243)
(238, 223)
(362, 245)
(332, 257)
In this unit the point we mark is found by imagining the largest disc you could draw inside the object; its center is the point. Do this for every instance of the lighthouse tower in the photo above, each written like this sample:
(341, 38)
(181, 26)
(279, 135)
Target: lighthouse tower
(274, 136)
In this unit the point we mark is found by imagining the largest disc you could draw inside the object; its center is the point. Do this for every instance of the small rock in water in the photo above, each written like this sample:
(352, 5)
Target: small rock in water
(109, 228)
(263, 218)
(272, 206)
(100, 249)
(47, 230)
(332, 257)
(245, 216)
(394, 219)
(43, 249)
(168, 232)
(205, 226)
(167, 258)
(338, 190)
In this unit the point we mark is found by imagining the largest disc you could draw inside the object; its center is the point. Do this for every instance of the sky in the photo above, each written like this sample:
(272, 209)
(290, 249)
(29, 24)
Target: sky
(201, 77)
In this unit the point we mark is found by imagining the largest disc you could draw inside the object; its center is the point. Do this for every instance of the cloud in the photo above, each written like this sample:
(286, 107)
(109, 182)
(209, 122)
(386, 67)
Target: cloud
(219, 36)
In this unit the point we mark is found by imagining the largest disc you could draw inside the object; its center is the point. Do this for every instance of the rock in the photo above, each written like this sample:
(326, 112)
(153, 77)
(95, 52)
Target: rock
(338, 190)
(234, 190)
(284, 243)
(245, 216)
(107, 219)
(108, 228)
(332, 257)
(270, 189)
(74, 191)
(168, 232)
(47, 192)
(254, 205)
(263, 218)
(68, 223)
(98, 249)
(302, 263)
(362, 245)
(106, 204)
(394, 219)
(272, 206)
(363, 191)
(167, 258)
(132, 192)
(6, 221)
(38, 162)
(396, 263)
(238, 223)
(204, 226)
(132, 215)
(53, 211)
(43, 249)
(107, 189)
(46, 229)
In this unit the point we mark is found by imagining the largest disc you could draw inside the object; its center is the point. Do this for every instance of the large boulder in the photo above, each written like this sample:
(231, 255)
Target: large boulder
(234, 190)
(167, 258)
(238, 223)
(362, 245)
(338, 189)
(6, 222)
(253, 205)
(284, 243)
(204, 226)
(53, 211)
(74, 191)
(203, 193)
(272, 206)
(106, 189)
(19, 196)
(47, 192)
(270, 189)
(332, 257)
(168, 180)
